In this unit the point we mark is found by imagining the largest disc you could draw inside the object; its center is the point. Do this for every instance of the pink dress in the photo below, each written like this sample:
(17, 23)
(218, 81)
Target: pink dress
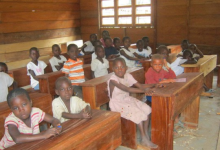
(129, 107)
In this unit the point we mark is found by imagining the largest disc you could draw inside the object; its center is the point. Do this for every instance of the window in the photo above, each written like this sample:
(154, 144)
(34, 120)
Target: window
(126, 13)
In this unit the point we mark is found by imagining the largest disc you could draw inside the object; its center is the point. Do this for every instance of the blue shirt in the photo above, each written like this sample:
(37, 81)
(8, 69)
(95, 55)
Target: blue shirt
(109, 51)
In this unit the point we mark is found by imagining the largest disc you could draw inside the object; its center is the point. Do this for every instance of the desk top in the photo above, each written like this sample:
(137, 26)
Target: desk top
(171, 89)
(201, 61)
(78, 133)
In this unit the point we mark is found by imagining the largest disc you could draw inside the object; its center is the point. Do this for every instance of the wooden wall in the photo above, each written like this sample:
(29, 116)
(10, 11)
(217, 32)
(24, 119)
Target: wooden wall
(195, 20)
(40, 23)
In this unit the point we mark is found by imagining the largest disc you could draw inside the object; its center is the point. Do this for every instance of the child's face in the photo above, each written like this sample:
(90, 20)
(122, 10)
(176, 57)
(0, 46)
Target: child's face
(165, 53)
(21, 107)
(34, 55)
(100, 52)
(117, 44)
(127, 43)
(140, 46)
(56, 51)
(120, 69)
(65, 90)
(3, 69)
(146, 42)
(187, 56)
(73, 53)
(105, 34)
(157, 64)
(184, 45)
(108, 42)
(93, 38)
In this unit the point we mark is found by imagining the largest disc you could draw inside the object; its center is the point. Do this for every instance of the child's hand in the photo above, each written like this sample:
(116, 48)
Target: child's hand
(86, 112)
(50, 132)
(58, 128)
(149, 92)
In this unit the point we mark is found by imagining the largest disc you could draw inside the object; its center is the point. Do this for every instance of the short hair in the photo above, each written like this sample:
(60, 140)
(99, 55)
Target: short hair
(145, 37)
(33, 49)
(16, 92)
(119, 59)
(3, 64)
(107, 38)
(105, 31)
(139, 41)
(125, 38)
(61, 79)
(156, 56)
(162, 47)
(187, 51)
(98, 46)
(55, 45)
(92, 35)
(116, 39)
(72, 45)
(185, 41)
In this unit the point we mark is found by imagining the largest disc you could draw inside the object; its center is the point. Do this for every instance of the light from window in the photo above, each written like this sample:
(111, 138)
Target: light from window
(141, 2)
(143, 10)
(124, 20)
(108, 3)
(108, 21)
(108, 12)
(143, 20)
(124, 11)
(124, 2)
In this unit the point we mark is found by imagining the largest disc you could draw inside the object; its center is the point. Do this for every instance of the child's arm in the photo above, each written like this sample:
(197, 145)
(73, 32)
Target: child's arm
(82, 48)
(128, 57)
(83, 114)
(199, 52)
(33, 74)
(138, 56)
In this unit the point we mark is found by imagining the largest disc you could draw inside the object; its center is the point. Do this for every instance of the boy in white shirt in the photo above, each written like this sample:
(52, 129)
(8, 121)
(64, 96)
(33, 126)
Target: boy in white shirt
(88, 46)
(146, 45)
(57, 60)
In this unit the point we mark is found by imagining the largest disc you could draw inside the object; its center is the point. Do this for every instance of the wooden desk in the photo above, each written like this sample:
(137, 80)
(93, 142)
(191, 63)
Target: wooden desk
(39, 100)
(47, 81)
(169, 102)
(205, 65)
(102, 132)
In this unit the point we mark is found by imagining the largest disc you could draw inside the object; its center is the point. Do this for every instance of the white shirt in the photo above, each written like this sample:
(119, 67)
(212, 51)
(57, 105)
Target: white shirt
(149, 50)
(54, 61)
(99, 68)
(89, 47)
(5, 82)
(129, 63)
(38, 70)
(145, 53)
(175, 66)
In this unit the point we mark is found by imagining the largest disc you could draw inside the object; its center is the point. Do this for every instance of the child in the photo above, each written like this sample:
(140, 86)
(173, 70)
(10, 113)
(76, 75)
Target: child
(96, 43)
(187, 54)
(128, 53)
(119, 86)
(163, 50)
(22, 125)
(88, 47)
(105, 34)
(66, 106)
(110, 51)
(100, 65)
(184, 45)
(140, 52)
(35, 67)
(117, 43)
(146, 45)
(196, 52)
(57, 60)
(73, 68)
(3, 67)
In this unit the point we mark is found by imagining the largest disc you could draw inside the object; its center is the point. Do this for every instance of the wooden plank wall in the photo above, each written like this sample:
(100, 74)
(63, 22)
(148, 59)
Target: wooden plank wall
(195, 20)
(42, 23)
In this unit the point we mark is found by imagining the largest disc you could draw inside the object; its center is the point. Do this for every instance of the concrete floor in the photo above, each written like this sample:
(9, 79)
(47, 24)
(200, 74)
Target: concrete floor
(207, 136)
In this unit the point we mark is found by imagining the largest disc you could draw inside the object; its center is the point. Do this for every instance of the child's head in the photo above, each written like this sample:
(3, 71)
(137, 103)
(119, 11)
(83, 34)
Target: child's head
(108, 42)
(157, 62)
(163, 50)
(93, 37)
(193, 47)
(97, 42)
(146, 41)
(72, 51)
(187, 54)
(117, 43)
(34, 53)
(185, 44)
(3, 67)
(20, 103)
(140, 45)
(105, 34)
(99, 51)
(119, 67)
(126, 42)
(56, 50)
(64, 88)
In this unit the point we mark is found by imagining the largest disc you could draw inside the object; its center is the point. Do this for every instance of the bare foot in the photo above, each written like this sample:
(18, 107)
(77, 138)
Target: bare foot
(148, 143)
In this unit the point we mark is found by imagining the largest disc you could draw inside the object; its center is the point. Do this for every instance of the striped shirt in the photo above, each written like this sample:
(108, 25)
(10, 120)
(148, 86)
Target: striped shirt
(75, 71)
(37, 116)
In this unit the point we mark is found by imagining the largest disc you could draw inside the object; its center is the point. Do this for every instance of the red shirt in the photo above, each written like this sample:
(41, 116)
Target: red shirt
(152, 77)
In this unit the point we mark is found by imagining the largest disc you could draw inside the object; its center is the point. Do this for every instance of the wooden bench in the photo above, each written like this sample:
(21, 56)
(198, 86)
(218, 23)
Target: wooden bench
(47, 81)
(39, 100)
(101, 132)
(95, 93)
(169, 102)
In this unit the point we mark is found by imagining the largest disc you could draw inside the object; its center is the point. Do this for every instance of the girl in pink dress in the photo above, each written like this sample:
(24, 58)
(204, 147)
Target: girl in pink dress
(119, 87)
